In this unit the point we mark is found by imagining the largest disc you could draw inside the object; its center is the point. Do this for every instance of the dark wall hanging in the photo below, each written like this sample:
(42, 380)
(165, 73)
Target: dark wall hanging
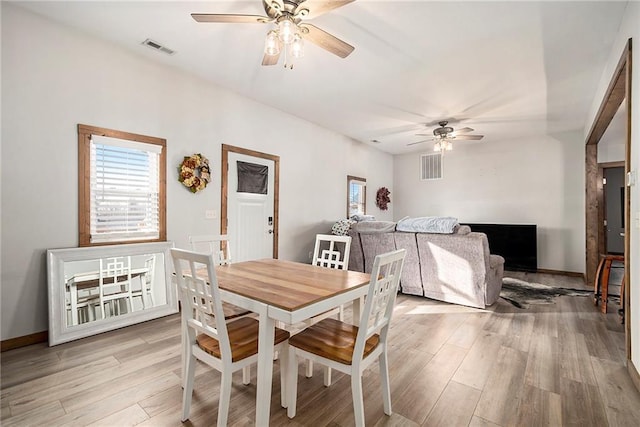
(382, 198)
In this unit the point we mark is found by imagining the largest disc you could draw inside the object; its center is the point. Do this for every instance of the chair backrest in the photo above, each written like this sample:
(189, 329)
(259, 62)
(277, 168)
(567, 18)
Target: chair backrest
(114, 272)
(380, 299)
(332, 251)
(216, 244)
(200, 298)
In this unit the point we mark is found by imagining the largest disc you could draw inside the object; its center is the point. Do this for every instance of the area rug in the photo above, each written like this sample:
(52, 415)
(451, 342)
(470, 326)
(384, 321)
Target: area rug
(521, 294)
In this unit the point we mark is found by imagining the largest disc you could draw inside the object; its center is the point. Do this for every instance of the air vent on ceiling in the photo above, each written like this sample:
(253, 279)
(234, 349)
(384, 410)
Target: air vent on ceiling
(157, 46)
(430, 166)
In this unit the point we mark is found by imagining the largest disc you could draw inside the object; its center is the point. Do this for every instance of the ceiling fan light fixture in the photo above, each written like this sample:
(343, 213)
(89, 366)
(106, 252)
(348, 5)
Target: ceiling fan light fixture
(297, 47)
(272, 43)
(287, 30)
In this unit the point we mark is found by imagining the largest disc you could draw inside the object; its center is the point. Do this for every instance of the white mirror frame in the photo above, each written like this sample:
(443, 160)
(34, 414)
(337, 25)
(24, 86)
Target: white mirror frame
(59, 332)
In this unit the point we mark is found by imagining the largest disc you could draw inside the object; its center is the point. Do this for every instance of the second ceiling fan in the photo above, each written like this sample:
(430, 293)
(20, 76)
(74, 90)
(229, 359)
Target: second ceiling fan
(291, 27)
(444, 135)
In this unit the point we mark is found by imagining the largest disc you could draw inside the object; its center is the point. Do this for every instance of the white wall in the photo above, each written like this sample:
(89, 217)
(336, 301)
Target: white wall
(534, 180)
(54, 77)
(630, 28)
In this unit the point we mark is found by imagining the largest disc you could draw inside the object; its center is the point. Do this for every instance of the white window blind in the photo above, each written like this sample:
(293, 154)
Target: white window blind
(125, 186)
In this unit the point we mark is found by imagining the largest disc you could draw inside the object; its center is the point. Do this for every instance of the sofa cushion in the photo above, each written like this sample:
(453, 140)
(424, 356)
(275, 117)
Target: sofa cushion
(429, 224)
(375, 244)
(410, 282)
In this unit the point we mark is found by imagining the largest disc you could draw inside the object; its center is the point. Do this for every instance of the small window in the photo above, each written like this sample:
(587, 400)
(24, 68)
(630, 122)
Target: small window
(356, 196)
(121, 187)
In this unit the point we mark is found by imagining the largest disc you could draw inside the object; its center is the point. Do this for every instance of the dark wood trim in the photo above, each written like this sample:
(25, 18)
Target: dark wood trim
(84, 187)
(613, 98)
(593, 186)
(224, 167)
(24, 341)
(619, 90)
(627, 205)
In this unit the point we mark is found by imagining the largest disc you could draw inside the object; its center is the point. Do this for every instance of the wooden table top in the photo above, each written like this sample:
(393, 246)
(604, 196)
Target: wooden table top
(285, 284)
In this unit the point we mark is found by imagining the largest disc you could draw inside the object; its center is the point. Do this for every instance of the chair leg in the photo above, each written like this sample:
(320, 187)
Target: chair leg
(246, 375)
(188, 381)
(384, 382)
(358, 400)
(292, 382)
(309, 369)
(327, 376)
(225, 398)
(284, 372)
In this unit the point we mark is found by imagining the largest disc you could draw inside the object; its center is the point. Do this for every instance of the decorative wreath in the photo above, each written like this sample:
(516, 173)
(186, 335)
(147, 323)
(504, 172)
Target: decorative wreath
(194, 172)
(382, 198)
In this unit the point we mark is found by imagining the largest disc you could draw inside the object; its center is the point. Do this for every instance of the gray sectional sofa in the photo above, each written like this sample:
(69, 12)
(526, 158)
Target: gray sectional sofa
(455, 268)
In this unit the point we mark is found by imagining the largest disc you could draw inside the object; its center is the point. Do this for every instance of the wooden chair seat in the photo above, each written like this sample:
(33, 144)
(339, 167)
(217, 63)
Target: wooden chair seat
(233, 311)
(333, 340)
(243, 337)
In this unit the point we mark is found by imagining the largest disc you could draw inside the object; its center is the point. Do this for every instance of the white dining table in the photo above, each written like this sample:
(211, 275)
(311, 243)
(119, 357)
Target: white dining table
(289, 292)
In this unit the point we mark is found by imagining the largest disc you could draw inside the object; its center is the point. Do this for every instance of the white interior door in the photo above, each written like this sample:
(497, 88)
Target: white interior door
(250, 216)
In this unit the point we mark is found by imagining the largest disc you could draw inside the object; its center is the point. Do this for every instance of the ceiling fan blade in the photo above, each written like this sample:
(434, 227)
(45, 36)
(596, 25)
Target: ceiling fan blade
(419, 142)
(469, 137)
(233, 19)
(326, 41)
(462, 130)
(315, 8)
(270, 59)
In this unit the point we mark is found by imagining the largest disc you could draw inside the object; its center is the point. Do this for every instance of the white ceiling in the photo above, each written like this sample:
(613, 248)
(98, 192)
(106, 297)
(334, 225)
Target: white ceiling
(507, 69)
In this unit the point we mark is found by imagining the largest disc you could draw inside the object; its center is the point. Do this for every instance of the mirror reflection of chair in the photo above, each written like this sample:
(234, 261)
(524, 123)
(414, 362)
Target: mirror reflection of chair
(352, 349)
(144, 283)
(226, 347)
(114, 284)
(330, 251)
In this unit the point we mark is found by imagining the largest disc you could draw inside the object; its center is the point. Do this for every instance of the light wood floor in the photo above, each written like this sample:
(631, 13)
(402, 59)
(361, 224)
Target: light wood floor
(560, 364)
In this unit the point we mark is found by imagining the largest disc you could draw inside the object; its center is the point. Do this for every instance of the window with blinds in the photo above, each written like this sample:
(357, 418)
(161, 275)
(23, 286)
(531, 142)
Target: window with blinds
(124, 190)
(121, 186)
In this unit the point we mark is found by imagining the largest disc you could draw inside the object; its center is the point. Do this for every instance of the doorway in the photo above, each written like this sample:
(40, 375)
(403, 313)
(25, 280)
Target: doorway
(249, 202)
(619, 91)
(614, 209)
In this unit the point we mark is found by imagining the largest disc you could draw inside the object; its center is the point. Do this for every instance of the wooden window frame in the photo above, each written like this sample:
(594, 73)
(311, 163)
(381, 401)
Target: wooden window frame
(84, 185)
(364, 202)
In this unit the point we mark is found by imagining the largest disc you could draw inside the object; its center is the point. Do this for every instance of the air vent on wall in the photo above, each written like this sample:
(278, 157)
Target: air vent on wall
(157, 46)
(430, 166)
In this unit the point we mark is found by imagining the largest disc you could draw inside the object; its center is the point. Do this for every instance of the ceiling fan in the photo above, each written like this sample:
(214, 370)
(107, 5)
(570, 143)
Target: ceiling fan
(291, 28)
(444, 135)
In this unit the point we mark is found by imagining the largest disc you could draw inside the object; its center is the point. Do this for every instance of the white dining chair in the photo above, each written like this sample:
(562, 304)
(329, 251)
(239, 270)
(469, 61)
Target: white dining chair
(352, 349)
(216, 244)
(225, 346)
(219, 246)
(330, 251)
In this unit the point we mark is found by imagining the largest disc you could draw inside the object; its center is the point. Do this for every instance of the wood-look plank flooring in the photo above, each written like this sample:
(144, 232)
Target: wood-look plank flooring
(554, 365)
